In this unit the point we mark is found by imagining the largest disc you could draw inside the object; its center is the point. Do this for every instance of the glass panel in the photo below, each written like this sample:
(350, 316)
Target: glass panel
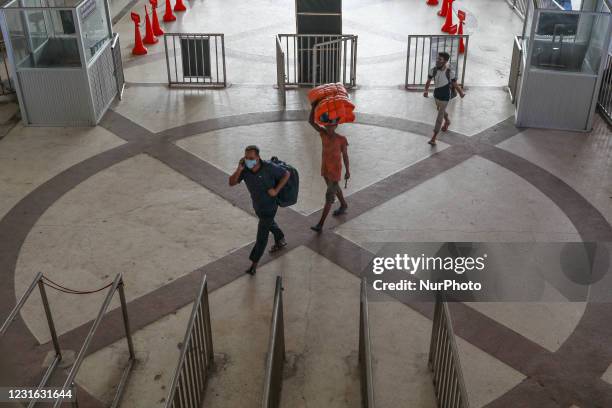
(562, 40)
(597, 43)
(17, 34)
(43, 38)
(94, 26)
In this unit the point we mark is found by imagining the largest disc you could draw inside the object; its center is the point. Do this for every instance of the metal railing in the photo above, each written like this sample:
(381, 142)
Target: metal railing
(309, 59)
(119, 77)
(117, 286)
(519, 6)
(280, 71)
(444, 360)
(365, 350)
(422, 53)
(6, 85)
(197, 356)
(38, 281)
(273, 382)
(330, 61)
(604, 101)
(515, 68)
(196, 59)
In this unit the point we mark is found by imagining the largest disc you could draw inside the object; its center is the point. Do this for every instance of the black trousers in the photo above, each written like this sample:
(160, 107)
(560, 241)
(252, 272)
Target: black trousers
(265, 226)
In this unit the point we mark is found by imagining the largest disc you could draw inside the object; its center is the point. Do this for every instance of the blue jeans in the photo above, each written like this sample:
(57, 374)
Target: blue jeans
(265, 226)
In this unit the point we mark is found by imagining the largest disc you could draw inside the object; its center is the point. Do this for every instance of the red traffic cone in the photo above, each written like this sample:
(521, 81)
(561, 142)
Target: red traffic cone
(442, 12)
(179, 6)
(139, 48)
(149, 36)
(168, 15)
(461, 15)
(448, 26)
(157, 30)
(432, 2)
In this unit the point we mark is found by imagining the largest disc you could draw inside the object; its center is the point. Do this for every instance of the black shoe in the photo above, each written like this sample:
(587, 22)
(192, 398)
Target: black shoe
(317, 228)
(252, 271)
(339, 211)
(278, 245)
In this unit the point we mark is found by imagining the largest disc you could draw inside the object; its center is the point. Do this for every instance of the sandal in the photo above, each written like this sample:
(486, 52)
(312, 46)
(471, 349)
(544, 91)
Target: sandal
(339, 211)
(278, 246)
(317, 228)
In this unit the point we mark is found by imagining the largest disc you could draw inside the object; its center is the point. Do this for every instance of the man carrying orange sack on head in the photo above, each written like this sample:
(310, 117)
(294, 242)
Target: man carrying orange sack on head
(334, 153)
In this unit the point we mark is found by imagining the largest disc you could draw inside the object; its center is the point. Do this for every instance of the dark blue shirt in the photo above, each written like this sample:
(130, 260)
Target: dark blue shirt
(258, 184)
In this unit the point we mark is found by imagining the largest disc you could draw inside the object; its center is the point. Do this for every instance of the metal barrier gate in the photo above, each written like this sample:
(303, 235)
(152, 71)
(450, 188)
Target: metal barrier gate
(422, 53)
(604, 101)
(309, 59)
(273, 382)
(365, 350)
(444, 360)
(197, 356)
(195, 60)
(330, 61)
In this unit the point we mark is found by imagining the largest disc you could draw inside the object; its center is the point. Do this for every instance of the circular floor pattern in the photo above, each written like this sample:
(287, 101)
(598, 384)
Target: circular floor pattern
(569, 376)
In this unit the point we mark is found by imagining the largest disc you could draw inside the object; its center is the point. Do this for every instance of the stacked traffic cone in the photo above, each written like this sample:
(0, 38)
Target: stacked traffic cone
(149, 36)
(179, 6)
(432, 2)
(442, 12)
(448, 26)
(461, 15)
(157, 30)
(168, 15)
(139, 48)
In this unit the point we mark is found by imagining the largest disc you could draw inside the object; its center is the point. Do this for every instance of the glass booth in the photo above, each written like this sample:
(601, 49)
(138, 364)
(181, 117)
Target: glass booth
(61, 57)
(562, 64)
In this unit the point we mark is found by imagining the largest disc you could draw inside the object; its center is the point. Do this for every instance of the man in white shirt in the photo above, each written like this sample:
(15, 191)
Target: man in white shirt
(445, 81)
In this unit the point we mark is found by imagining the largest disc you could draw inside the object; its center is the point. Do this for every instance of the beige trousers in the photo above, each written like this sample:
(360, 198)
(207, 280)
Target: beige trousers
(441, 105)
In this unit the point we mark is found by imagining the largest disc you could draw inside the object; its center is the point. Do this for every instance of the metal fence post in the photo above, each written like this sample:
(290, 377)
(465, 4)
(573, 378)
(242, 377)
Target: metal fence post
(273, 381)
(365, 349)
(465, 58)
(126, 321)
(45, 301)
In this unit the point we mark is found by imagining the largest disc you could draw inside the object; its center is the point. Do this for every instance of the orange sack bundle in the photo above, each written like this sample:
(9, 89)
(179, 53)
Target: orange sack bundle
(323, 91)
(334, 110)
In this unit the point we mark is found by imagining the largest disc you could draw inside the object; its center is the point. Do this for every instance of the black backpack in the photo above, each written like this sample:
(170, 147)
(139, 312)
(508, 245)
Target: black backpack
(450, 84)
(289, 193)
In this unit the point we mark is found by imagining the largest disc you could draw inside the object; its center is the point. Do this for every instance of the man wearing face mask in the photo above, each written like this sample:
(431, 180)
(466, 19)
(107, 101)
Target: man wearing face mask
(264, 180)
(445, 81)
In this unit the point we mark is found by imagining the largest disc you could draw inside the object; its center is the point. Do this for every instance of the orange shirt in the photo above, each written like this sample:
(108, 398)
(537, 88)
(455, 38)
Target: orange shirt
(331, 162)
